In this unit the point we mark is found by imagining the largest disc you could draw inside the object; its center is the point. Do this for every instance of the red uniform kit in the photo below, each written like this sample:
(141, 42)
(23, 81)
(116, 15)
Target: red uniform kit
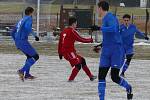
(66, 48)
(66, 45)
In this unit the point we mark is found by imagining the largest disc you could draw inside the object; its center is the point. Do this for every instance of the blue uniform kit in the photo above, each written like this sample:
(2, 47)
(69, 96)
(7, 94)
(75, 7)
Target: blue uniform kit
(112, 50)
(128, 33)
(112, 55)
(20, 35)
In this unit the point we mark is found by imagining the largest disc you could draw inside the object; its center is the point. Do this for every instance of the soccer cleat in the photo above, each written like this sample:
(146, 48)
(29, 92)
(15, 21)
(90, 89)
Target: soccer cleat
(21, 75)
(70, 80)
(129, 94)
(93, 78)
(29, 77)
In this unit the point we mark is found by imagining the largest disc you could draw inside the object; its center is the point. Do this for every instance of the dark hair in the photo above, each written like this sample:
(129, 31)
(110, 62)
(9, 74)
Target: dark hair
(104, 5)
(126, 16)
(29, 10)
(72, 20)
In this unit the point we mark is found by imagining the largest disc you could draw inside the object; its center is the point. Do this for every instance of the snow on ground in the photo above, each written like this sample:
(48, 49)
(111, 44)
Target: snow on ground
(51, 82)
(141, 43)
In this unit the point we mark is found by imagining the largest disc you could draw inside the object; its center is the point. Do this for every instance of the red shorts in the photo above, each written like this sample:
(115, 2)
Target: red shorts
(73, 58)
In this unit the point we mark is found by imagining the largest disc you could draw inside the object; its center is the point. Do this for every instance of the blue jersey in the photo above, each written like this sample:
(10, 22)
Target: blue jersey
(23, 28)
(20, 35)
(110, 30)
(127, 34)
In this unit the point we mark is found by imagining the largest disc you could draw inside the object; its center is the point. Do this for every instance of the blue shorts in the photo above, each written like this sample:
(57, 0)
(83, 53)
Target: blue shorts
(112, 56)
(25, 47)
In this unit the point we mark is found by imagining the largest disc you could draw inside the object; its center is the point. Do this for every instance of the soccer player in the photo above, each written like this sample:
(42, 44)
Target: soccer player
(128, 31)
(111, 53)
(20, 35)
(67, 50)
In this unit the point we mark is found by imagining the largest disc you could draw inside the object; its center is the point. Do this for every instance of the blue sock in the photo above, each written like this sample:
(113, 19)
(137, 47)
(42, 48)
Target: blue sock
(29, 62)
(28, 71)
(101, 89)
(125, 67)
(124, 84)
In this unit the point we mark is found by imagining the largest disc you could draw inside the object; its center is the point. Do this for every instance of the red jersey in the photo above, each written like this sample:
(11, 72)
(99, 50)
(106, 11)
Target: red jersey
(67, 39)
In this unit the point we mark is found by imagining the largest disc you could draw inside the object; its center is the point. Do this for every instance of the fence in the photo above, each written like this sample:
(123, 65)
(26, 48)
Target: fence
(10, 13)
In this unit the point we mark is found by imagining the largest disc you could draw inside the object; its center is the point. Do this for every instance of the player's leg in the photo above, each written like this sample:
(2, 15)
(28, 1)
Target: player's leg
(126, 64)
(116, 63)
(103, 70)
(102, 82)
(75, 70)
(29, 63)
(75, 63)
(32, 57)
(87, 70)
(122, 82)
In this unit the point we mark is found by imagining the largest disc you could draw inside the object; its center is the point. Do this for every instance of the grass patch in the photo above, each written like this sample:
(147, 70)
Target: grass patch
(141, 52)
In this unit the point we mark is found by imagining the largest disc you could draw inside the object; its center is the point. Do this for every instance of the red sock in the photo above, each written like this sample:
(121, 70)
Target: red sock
(74, 73)
(87, 71)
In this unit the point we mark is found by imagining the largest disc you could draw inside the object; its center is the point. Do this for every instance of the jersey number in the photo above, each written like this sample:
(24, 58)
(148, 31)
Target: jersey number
(19, 25)
(64, 35)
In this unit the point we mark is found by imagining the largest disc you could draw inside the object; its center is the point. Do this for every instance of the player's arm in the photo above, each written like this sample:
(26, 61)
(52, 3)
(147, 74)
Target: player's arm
(28, 27)
(111, 25)
(81, 39)
(35, 35)
(141, 34)
(111, 28)
(97, 48)
(95, 27)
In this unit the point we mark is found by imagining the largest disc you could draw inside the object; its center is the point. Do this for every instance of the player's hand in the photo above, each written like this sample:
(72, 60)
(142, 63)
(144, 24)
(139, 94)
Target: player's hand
(95, 28)
(37, 38)
(96, 49)
(146, 38)
(91, 40)
(60, 56)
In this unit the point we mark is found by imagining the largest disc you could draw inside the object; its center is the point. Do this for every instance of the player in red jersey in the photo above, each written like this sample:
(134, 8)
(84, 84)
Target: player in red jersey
(67, 50)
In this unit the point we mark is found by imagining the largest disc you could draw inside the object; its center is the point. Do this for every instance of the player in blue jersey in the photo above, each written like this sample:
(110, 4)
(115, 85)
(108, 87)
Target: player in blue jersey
(20, 35)
(128, 31)
(112, 52)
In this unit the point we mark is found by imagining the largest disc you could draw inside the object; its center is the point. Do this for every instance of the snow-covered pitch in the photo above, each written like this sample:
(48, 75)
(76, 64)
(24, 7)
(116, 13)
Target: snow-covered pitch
(51, 82)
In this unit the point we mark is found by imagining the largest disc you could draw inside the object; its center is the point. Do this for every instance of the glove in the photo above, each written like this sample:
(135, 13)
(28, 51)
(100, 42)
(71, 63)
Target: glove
(95, 28)
(60, 56)
(91, 40)
(96, 49)
(36, 38)
(146, 38)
